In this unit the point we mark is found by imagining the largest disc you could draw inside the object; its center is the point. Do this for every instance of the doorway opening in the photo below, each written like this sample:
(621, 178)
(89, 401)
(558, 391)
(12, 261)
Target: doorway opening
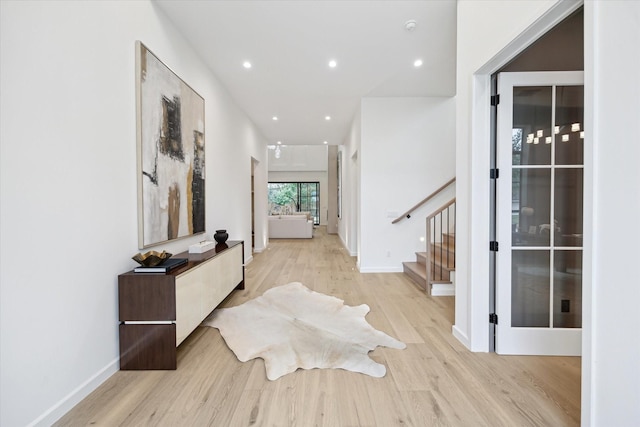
(291, 197)
(560, 49)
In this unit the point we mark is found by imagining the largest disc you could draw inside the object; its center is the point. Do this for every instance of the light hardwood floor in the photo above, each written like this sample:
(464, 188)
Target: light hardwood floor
(435, 381)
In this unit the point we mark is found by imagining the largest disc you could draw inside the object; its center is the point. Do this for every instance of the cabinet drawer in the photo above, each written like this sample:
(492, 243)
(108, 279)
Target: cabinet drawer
(146, 297)
(147, 347)
(189, 289)
(223, 277)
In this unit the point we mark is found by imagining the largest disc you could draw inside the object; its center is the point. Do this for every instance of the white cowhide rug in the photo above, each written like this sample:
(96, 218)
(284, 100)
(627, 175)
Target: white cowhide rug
(293, 327)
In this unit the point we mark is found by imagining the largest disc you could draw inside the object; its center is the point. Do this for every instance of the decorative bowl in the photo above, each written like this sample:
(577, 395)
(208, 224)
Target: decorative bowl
(151, 258)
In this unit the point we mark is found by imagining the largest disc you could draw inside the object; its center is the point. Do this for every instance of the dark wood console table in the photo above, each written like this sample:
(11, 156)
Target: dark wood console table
(158, 311)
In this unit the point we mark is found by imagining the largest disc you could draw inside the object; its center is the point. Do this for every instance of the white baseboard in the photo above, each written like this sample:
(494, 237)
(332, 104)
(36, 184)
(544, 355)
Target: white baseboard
(460, 336)
(443, 290)
(381, 270)
(58, 410)
(248, 260)
(351, 253)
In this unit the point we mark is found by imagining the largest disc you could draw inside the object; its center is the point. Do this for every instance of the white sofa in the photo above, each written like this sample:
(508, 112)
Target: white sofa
(290, 227)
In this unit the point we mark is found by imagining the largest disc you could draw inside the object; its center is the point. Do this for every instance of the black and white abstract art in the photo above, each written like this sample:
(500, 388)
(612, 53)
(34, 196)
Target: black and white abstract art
(171, 138)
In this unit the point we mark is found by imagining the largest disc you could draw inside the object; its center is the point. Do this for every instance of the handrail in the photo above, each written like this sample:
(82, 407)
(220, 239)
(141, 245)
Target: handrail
(441, 208)
(407, 214)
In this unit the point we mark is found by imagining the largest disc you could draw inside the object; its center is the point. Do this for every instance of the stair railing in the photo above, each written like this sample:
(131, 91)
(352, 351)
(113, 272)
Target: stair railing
(441, 229)
(407, 214)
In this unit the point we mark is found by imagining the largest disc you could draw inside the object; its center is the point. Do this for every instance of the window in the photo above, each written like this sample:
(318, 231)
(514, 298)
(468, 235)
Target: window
(289, 197)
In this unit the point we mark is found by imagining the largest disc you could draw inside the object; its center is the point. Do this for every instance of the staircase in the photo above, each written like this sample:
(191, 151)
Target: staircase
(434, 270)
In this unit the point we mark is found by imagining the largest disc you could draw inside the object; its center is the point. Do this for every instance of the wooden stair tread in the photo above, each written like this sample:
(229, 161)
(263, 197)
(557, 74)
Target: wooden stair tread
(442, 264)
(443, 261)
(417, 268)
(449, 239)
(417, 272)
(444, 246)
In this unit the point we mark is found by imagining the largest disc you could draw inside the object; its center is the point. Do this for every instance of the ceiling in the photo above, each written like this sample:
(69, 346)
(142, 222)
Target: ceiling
(290, 44)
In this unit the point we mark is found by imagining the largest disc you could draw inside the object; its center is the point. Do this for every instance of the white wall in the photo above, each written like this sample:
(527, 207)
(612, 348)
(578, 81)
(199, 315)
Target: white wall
(303, 158)
(68, 188)
(349, 221)
(611, 343)
(407, 150)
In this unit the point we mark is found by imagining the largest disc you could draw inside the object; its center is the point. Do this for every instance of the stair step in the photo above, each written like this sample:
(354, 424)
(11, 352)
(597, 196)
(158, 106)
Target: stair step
(417, 272)
(442, 276)
(438, 247)
(439, 274)
(449, 239)
(440, 258)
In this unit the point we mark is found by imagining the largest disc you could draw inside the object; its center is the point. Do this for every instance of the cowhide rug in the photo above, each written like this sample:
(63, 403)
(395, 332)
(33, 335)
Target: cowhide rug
(293, 327)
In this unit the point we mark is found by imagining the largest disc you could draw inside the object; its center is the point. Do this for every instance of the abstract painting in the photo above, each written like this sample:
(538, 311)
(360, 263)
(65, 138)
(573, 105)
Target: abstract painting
(171, 173)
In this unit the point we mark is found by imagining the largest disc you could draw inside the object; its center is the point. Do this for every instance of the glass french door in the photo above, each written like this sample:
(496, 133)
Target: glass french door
(539, 209)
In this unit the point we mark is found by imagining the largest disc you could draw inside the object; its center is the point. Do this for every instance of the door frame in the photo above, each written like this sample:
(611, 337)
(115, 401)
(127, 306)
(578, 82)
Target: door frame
(476, 302)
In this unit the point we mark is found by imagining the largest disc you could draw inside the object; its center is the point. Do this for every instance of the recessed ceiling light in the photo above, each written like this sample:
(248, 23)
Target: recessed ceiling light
(246, 64)
(410, 25)
(327, 117)
(325, 143)
(279, 142)
(333, 63)
(274, 118)
(417, 63)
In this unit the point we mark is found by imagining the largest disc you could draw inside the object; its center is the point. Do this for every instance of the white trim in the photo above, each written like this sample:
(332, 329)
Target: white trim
(443, 290)
(588, 403)
(55, 412)
(351, 252)
(149, 322)
(460, 336)
(381, 270)
(552, 17)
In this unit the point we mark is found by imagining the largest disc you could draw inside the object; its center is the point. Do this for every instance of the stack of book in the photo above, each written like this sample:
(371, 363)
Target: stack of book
(165, 267)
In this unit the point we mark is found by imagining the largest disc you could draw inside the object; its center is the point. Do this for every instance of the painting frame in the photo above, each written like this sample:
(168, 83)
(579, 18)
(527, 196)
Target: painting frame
(170, 148)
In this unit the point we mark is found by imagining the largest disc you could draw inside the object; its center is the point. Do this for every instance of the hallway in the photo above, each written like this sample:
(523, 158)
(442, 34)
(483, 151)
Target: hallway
(435, 381)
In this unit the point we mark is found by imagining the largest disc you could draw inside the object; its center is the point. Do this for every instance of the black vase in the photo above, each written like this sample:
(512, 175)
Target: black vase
(221, 236)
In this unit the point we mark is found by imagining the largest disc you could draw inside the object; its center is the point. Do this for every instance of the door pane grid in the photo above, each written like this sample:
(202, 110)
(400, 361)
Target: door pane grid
(539, 206)
(539, 232)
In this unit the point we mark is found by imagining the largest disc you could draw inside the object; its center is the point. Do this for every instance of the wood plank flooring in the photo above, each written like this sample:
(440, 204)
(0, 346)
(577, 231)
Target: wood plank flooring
(435, 381)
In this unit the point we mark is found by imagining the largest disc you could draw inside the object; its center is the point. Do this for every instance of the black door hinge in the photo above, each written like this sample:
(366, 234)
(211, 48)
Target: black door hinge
(493, 318)
(495, 100)
(493, 246)
(494, 173)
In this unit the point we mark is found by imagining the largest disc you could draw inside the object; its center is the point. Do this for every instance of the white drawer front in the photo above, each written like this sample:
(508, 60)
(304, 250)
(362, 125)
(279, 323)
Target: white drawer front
(189, 288)
(201, 289)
